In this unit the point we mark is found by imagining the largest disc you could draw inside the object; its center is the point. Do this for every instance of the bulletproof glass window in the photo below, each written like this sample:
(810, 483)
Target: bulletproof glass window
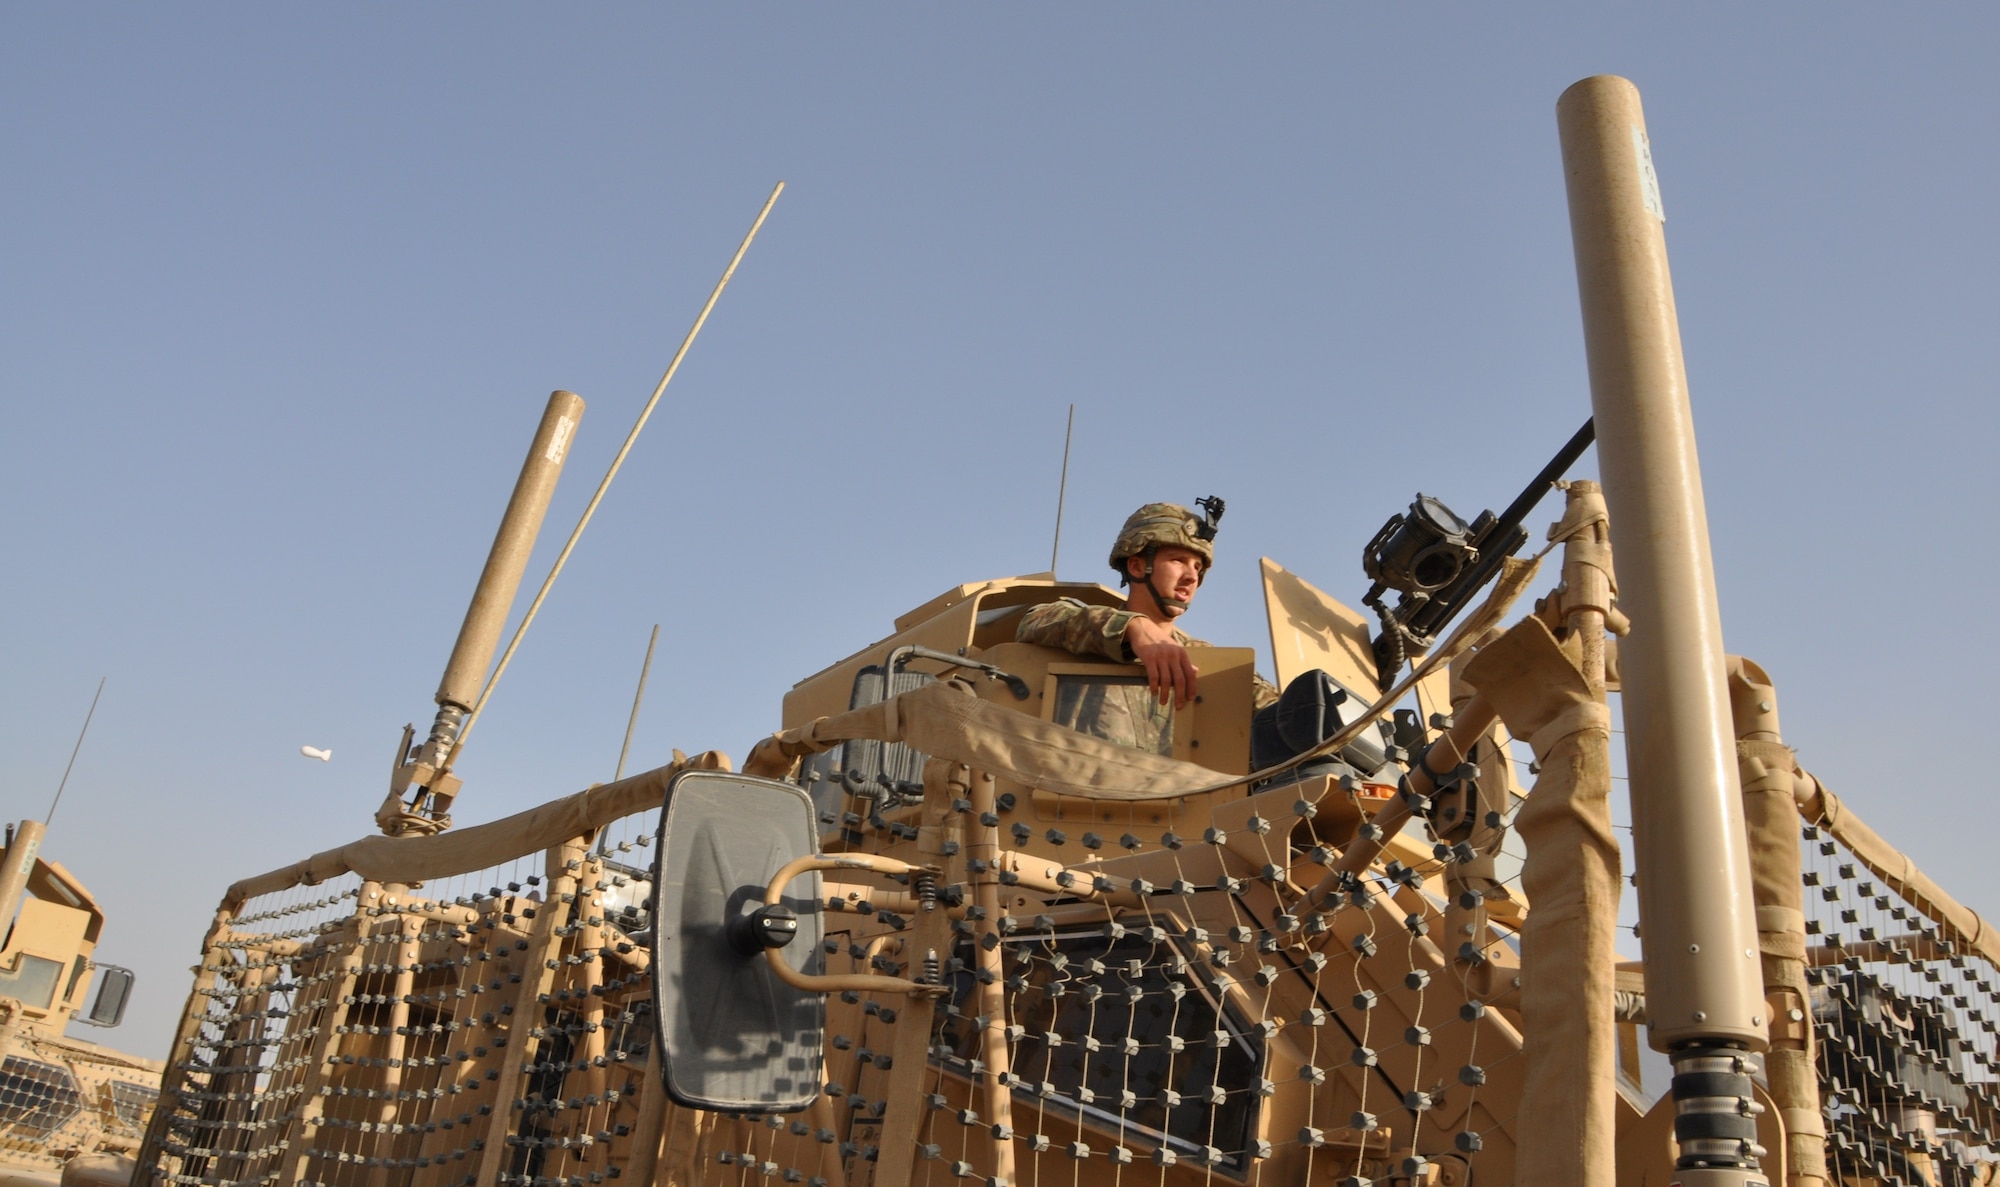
(1124, 1033)
(33, 980)
(1116, 708)
(131, 1103)
(886, 773)
(36, 1098)
(1871, 1033)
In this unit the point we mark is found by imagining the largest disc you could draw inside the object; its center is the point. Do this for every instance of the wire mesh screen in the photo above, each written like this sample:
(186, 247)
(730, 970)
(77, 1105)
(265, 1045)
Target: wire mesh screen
(1904, 1018)
(1156, 1008)
(489, 1027)
(1143, 993)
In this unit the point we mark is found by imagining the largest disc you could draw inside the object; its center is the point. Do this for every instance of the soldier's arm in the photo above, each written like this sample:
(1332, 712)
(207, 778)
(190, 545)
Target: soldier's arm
(1170, 671)
(1078, 629)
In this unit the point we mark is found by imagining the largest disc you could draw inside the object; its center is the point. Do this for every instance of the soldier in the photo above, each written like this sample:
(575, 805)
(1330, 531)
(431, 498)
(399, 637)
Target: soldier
(1162, 555)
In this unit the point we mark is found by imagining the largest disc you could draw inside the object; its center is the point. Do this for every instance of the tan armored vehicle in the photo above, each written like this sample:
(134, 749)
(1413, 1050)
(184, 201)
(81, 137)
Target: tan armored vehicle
(943, 928)
(60, 1098)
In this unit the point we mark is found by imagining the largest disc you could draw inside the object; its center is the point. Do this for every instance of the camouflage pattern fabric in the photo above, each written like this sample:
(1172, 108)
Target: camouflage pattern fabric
(1158, 525)
(1118, 709)
(1083, 630)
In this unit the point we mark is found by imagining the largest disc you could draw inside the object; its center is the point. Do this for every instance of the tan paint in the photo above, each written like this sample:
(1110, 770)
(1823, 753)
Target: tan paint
(1268, 845)
(1770, 773)
(15, 866)
(1310, 629)
(51, 919)
(507, 560)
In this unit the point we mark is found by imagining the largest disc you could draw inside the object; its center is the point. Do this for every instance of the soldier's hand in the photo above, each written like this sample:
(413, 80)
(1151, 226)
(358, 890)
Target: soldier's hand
(1170, 671)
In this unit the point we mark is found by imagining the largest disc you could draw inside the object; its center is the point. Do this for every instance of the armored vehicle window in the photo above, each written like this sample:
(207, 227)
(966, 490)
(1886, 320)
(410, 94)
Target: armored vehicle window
(131, 1102)
(32, 979)
(883, 773)
(1117, 708)
(1126, 1034)
(36, 1098)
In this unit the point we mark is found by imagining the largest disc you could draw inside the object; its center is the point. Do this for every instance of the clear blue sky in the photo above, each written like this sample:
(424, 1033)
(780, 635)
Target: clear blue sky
(286, 287)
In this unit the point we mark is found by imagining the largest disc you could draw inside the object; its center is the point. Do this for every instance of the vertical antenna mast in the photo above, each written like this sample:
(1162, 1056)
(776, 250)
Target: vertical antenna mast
(76, 751)
(636, 698)
(1062, 490)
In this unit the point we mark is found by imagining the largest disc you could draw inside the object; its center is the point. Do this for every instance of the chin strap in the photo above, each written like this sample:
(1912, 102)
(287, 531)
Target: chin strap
(1159, 599)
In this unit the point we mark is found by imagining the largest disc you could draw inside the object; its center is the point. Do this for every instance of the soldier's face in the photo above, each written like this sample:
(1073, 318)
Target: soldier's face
(1176, 574)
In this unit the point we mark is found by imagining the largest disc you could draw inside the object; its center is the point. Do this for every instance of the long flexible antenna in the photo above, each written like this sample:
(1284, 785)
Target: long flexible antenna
(562, 558)
(604, 834)
(1062, 490)
(636, 698)
(78, 749)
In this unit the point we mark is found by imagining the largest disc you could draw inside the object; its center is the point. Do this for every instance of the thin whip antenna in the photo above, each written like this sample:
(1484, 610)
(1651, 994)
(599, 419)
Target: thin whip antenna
(78, 749)
(1062, 490)
(563, 557)
(636, 698)
(604, 834)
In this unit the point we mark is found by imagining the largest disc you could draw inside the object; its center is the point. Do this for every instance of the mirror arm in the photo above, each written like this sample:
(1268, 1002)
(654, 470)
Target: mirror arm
(859, 982)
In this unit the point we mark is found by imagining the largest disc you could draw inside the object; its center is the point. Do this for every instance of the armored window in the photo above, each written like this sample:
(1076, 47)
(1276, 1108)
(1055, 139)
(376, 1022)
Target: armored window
(1116, 708)
(131, 1102)
(878, 774)
(36, 1098)
(32, 980)
(1125, 1034)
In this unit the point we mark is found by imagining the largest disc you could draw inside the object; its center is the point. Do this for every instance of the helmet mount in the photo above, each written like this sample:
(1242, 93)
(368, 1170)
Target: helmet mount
(1166, 525)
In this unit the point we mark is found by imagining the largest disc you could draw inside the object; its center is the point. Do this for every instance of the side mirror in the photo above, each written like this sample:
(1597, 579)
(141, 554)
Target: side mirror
(733, 1036)
(114, 993)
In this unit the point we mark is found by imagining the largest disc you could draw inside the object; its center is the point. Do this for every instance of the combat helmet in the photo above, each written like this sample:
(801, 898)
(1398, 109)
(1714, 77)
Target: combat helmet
(1170, 525)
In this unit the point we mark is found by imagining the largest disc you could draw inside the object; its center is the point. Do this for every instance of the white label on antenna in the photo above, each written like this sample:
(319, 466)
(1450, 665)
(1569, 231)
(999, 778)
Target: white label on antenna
(1649, 178)
(559, 440)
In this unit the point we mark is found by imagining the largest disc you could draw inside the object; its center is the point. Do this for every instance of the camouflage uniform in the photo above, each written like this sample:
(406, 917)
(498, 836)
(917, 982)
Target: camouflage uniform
(1119, 709)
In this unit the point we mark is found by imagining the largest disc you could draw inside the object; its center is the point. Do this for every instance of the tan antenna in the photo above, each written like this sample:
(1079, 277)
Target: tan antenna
(76, 750)
(25, 842)
(431, 772)
(492, 600)
(636, 698)
(630, 438)
(1062, 490)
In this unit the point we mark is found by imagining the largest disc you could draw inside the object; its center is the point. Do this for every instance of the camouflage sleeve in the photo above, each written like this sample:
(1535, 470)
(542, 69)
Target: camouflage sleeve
(1262, 691)
(1077, 629)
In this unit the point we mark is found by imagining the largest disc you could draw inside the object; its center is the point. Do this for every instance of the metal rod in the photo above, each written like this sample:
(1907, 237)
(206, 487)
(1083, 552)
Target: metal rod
(562, 558)
(637, 697)
(1062, 489)
(78, 749)
(997, 1097)
(1565, 458)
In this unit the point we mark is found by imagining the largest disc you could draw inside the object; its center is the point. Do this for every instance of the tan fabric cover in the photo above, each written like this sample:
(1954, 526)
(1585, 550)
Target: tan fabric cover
(1888, 863)
(1771, 817)
(421, 859)
(1567, 1124)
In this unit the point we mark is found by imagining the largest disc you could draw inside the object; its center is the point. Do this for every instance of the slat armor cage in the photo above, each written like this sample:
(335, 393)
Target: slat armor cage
(1201, 1025)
